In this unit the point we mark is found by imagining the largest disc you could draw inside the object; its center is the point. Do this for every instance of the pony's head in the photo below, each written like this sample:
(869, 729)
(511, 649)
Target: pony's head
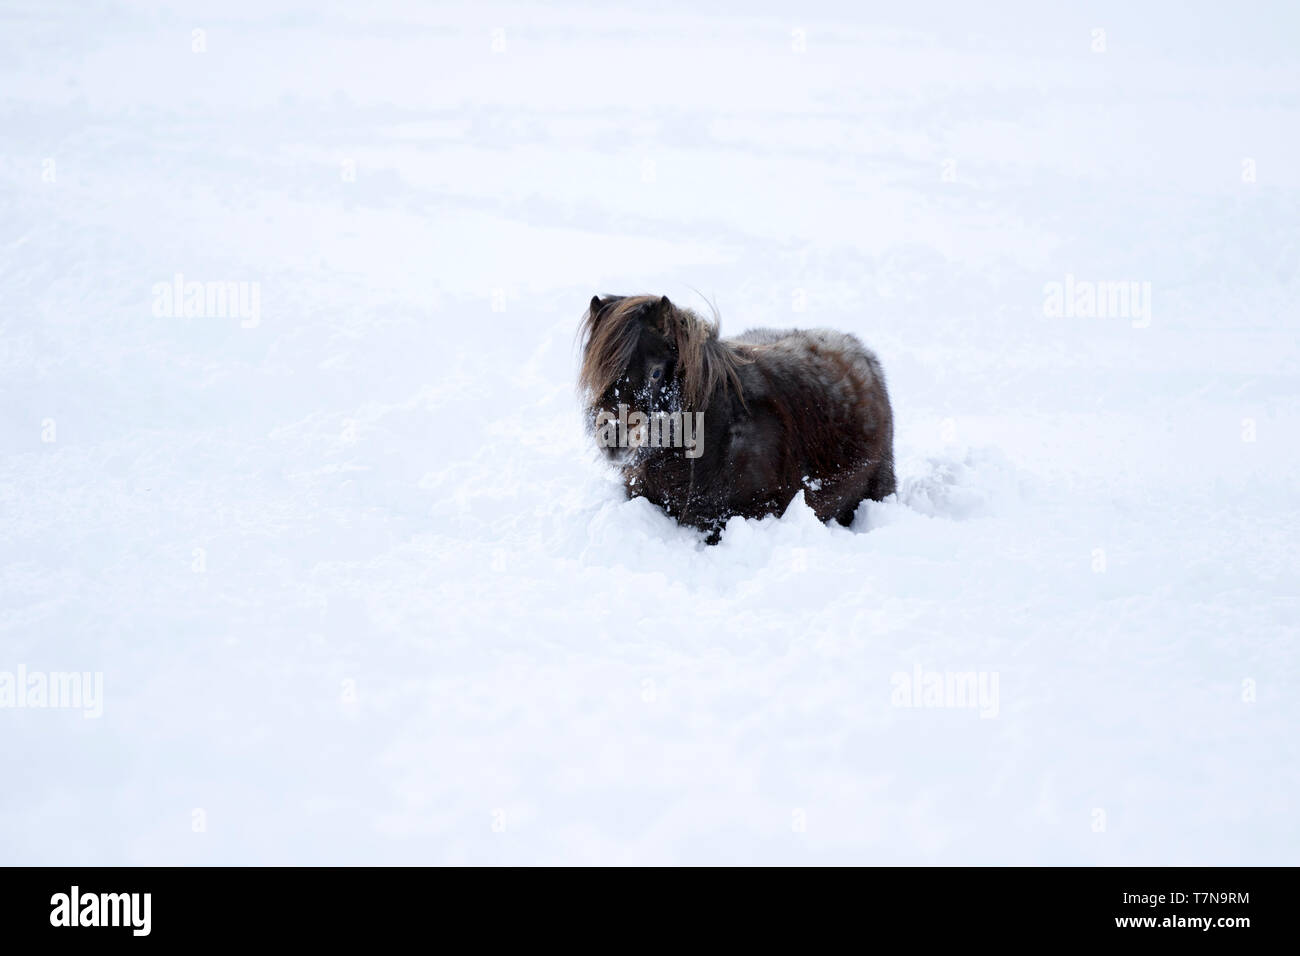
(647, 355)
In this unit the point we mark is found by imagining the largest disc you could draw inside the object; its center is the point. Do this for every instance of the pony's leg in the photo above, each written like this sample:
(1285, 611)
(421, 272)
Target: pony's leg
(877, 485)
(851, 495)
(883, 483)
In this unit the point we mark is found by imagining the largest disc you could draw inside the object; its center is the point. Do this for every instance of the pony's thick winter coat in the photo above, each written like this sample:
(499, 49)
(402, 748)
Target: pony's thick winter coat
(783, 412)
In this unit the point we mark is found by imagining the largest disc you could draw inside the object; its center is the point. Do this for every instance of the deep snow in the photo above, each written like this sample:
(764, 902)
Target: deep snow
(359, 589)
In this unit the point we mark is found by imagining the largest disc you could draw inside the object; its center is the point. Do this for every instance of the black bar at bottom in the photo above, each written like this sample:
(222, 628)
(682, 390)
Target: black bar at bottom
(337, 905)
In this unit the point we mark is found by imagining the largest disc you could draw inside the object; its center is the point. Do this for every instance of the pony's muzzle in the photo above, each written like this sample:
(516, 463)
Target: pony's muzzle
(616, 455)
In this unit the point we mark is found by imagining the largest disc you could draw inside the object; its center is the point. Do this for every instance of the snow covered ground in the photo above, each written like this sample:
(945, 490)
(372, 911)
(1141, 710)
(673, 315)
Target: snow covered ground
(357, 586)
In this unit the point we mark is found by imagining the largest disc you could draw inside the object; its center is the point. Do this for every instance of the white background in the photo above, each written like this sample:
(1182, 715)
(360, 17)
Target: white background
(424, 626)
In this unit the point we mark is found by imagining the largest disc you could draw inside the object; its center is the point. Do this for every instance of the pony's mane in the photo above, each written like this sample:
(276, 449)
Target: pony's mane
(611, 332)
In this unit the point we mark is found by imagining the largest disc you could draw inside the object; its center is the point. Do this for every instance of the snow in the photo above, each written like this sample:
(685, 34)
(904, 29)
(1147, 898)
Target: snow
(357, 585)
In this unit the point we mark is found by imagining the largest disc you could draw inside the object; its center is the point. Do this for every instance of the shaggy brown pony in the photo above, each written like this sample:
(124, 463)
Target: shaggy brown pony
(708, 428)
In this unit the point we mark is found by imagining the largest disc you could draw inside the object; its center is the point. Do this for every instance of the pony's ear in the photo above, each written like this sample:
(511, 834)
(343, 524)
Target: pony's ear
(660, 316)
(598, 305)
